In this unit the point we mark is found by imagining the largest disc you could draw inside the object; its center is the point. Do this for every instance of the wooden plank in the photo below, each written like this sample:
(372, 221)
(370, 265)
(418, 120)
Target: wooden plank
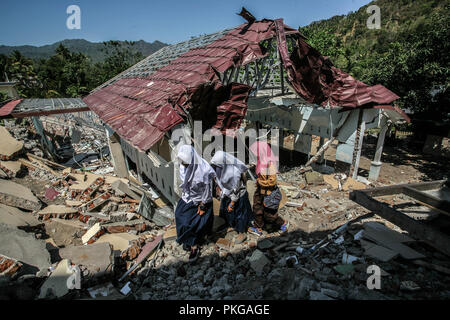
(416, 229)
(46, 161)
(398, 188)
(434, 202)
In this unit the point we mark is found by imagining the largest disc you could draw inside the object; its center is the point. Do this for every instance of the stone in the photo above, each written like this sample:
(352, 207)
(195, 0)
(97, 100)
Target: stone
(317, 295)
(16, 195)
(329, 292)
(257, 261)
(344, 268)
(314, 178)
(223, 243)
(409, 286)
(265, 244)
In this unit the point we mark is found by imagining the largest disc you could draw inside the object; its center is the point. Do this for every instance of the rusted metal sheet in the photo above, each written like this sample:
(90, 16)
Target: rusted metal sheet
(9, 107)
(140, 110)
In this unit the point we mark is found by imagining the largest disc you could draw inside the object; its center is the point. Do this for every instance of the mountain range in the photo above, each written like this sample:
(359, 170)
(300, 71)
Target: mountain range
(91, 49)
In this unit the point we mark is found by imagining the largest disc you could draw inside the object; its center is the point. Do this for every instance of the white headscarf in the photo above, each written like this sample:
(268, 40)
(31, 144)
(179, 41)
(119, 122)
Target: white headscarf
(229, 172)
(196, 178)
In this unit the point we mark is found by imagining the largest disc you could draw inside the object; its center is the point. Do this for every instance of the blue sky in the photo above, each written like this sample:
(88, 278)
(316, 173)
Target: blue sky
(44, 21)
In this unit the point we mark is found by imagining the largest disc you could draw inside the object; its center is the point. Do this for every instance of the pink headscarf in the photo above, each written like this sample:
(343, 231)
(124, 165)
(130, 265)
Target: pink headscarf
(265, 156)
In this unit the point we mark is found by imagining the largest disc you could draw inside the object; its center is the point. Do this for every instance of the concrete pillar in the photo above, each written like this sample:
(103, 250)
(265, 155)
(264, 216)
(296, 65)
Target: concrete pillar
(375, 165)
(322, 156)
(358, 145)
(117, 157)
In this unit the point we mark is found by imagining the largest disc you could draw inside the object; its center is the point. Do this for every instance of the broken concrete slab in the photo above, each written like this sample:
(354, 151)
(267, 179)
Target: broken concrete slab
(344, 268)
(16, 195)
(9, 169)
(25, 248)
(97, 257)
(258, 260)
(17, 218)
(71, 223)
(56, 210)
(119, 241)
(60, 281)
(9, 147)
(122, 188)
(63, 233)
(73, 203)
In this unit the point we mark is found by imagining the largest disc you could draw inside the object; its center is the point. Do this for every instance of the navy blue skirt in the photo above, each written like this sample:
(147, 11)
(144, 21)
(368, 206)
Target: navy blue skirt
(192, 227)
(241, 216)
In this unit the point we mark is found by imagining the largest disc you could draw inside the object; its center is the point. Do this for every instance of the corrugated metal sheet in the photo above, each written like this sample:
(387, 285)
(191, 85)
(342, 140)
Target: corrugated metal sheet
(141, 109)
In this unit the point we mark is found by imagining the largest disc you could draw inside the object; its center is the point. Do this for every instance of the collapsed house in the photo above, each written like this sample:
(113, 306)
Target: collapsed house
(263, 72)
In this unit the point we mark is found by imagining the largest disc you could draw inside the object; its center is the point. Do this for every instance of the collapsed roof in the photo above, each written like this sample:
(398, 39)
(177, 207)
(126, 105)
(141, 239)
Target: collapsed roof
(199, 78)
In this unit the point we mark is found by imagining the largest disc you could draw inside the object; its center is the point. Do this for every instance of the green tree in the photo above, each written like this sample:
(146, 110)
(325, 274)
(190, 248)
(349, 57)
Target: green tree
(65, 74)
(120, 57)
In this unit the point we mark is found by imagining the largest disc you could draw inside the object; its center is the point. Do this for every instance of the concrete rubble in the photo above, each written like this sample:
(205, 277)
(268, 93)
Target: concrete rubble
(80, 233)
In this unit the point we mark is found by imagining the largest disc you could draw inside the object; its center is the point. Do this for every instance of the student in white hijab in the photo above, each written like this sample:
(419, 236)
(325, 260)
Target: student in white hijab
(194, 212)
(235, 206)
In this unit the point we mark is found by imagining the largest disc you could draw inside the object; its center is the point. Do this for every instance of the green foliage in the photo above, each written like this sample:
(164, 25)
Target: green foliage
(3, 97)
(408, 55)
(67, 73)
(119, 57)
